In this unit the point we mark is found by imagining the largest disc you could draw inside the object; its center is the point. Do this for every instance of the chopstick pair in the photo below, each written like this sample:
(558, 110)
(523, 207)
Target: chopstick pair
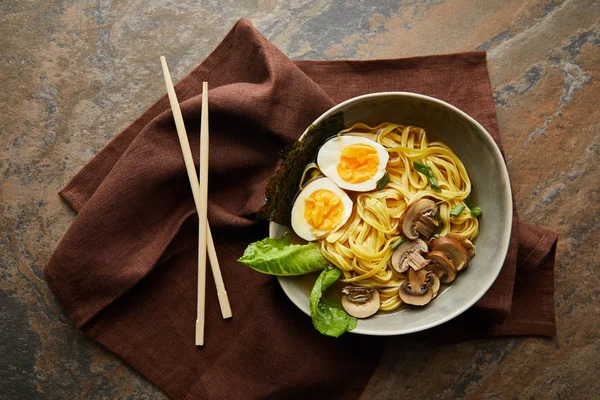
(200, 193)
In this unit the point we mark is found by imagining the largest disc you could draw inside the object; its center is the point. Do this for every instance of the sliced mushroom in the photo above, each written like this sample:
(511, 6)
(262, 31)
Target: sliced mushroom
(410, 254)
(441, 266)
(453, 249)
(417, 289)
(420, 219)
(469, 246)
(360, 302)
(434, 283)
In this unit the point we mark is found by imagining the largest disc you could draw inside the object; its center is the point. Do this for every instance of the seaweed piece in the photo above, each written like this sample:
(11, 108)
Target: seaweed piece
(283, 185)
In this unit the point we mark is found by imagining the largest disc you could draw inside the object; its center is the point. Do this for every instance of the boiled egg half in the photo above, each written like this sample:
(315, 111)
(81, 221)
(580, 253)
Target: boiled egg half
(321, 208)
(353, 162)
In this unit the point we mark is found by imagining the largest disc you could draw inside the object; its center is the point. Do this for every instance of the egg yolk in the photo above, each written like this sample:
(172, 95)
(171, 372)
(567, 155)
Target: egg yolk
(358, 163)
(323, 210)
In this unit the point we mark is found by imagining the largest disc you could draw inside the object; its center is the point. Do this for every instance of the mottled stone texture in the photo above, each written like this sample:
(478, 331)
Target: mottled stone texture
(74, 73)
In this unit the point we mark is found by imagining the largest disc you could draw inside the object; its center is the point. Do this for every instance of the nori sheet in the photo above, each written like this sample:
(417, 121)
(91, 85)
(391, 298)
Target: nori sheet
(282, 186)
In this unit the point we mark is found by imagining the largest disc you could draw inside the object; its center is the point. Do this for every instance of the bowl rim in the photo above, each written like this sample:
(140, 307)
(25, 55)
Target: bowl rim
(507, 198)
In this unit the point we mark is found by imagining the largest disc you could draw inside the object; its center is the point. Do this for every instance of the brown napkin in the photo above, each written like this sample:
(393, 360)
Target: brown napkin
(126, 269)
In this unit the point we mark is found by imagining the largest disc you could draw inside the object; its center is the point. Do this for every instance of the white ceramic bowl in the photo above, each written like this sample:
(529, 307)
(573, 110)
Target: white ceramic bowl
(491, 191)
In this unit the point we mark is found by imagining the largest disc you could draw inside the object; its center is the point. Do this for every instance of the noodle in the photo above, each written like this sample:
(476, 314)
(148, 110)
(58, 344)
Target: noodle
(362, 248)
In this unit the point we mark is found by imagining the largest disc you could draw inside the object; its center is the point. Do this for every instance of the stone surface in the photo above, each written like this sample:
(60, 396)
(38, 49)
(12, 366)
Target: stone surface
(74, 73)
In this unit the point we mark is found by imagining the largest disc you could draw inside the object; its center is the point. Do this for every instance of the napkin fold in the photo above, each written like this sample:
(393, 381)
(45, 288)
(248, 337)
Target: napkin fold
(125, 271)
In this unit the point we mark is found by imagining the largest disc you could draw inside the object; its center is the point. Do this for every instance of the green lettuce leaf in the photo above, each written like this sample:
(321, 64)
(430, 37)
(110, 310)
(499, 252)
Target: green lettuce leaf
(281, 257)
(328, 320)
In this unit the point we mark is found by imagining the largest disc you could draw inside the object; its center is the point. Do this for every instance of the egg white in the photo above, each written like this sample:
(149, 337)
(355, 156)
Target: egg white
(329, 157)
(299, 223)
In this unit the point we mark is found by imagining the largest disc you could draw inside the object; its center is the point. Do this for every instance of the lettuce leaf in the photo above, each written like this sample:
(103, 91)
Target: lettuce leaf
(281, 257)
(328, 320)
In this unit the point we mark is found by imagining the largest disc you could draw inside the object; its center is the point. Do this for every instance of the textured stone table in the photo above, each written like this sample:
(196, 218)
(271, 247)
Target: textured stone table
(74, 73)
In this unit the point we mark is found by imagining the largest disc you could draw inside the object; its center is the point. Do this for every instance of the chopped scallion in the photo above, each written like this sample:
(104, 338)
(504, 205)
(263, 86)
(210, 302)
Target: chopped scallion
(476, 212)
(426, 170)
(398, 243)
(468, 202)
(457, 210)
(383, 181)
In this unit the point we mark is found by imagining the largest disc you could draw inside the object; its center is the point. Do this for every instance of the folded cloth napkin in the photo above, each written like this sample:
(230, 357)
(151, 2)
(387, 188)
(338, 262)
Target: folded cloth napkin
(126, 269)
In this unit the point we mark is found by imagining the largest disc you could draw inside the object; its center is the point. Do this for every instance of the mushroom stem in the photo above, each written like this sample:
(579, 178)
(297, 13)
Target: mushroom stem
(416, 260)
(426, 225)
(417, 289)
(409, 254)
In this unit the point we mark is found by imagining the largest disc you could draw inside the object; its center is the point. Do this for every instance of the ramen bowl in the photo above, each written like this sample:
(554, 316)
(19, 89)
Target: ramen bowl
(491, 192)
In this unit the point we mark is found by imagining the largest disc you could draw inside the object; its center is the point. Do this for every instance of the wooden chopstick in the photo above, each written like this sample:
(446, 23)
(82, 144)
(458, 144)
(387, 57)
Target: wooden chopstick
(211, 250)
(205, 240)
(202, 217)
(203, 190)
(216, 271)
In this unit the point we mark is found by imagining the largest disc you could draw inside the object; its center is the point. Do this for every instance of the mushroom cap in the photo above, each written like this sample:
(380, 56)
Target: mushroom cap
(442, 266)
(360, 302)
(420, 208)
(399, 255)
(435, 283)
(467, 244)
(453, 249)
(417, 289)
(470, 247)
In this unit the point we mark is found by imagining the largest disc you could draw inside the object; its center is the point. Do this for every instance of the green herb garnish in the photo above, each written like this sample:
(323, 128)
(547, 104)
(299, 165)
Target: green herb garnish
(476, 212)
(457, 210)
(422, 168)
(398, 243)
(385, 179)
(328, 320)
(426, 170)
